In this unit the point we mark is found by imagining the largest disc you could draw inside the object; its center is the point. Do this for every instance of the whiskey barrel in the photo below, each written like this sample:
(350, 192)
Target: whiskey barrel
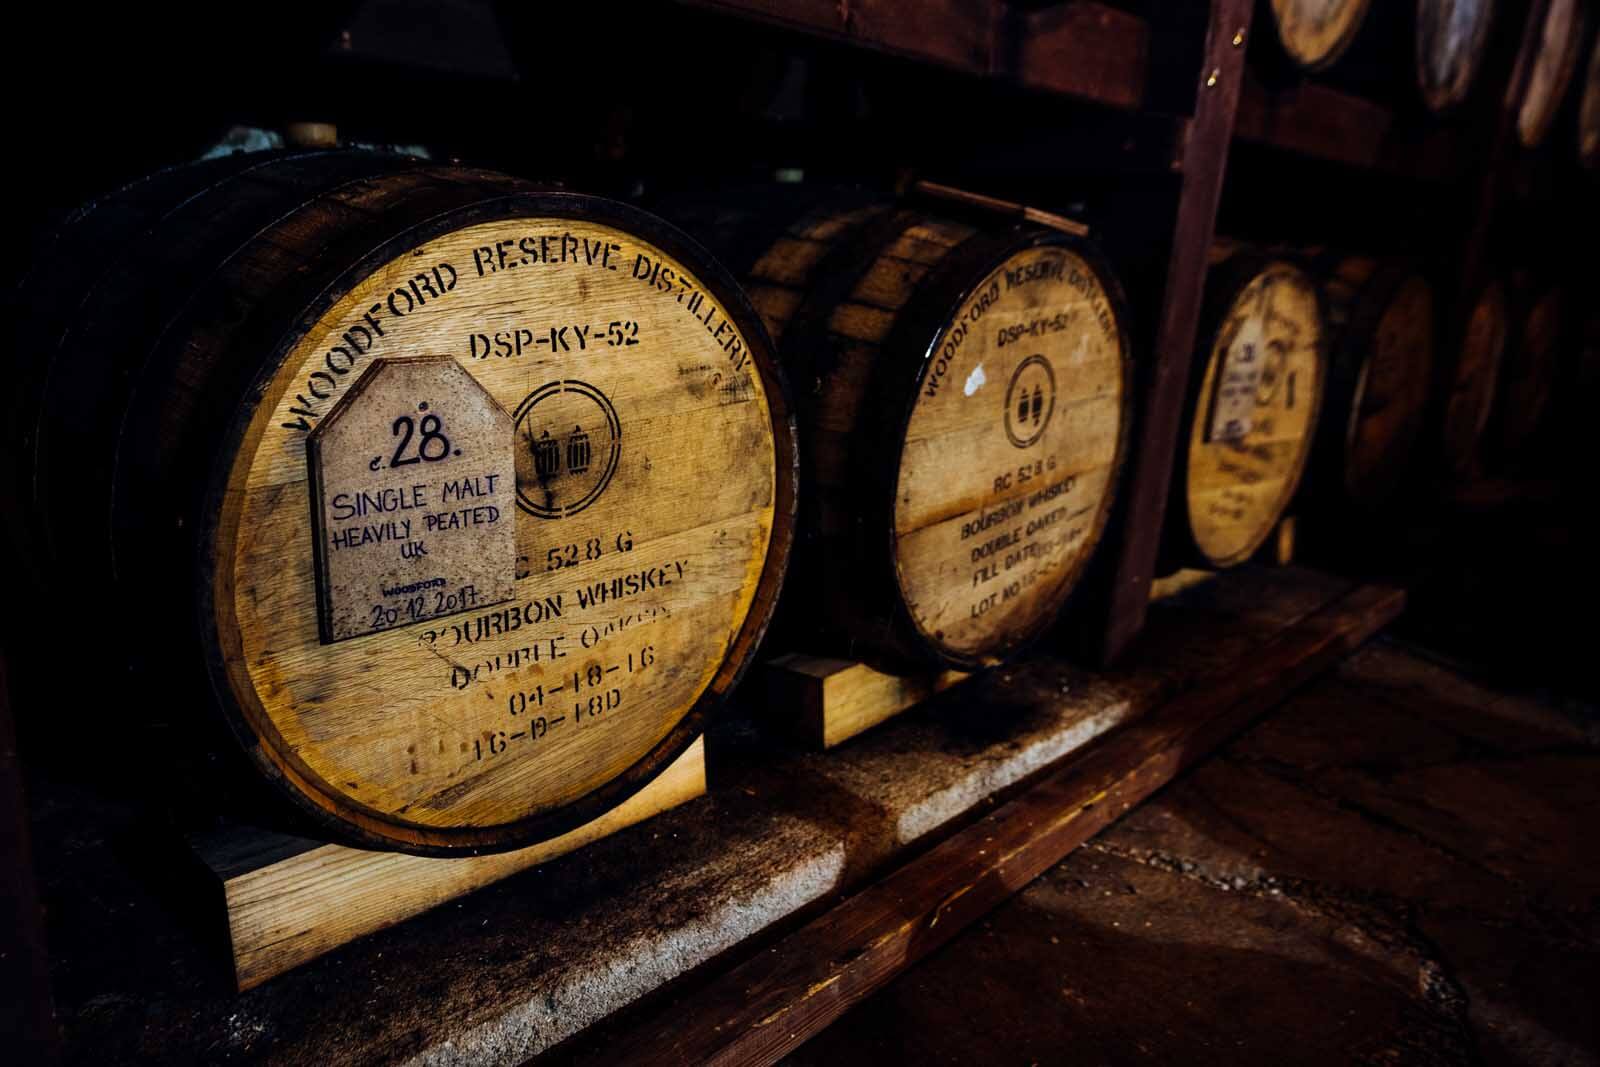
(1560, 41)
(1379, 373)
(485, 491)
(1452, 37)
(962, 387)
(1433, 48)
(1473, 379)
(1529, 386)
(1316, 33)
(1589, 112)
(1252, 409)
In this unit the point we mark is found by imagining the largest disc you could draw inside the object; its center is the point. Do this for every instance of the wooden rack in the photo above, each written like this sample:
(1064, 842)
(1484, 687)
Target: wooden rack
(1162, 102)
(1171, 92)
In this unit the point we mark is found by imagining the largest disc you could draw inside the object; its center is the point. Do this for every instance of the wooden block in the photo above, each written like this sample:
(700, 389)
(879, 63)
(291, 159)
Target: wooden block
(1175, 583)
(1283, 544)
(826, 701)
(290, 899)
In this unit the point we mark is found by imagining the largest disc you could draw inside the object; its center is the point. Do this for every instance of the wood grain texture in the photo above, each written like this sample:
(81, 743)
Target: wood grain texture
(1560, 44)
(823, 702)
(1473, 380)
(1589, 112)
(1325, 122)
(1452, 37)
(1528, 386)
(1082, 48)
(1204, 163)
(655, 479)
(1027, 391)
(1315, 33)
(962, 389)
(1381, 317)
(289, 900)
(1235, 488)
(632, 578)
(767, 1007)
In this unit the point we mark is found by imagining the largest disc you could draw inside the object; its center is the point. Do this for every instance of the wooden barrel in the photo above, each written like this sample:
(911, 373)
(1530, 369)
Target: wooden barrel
(1529, 383)
(1433, 48)
(472, 498)
(1589, 113)
(1379, 375)
(1452, 37)
(963, 390)
(1472, 381)
(1252, 410)
(1560, 41)
(1316, 33)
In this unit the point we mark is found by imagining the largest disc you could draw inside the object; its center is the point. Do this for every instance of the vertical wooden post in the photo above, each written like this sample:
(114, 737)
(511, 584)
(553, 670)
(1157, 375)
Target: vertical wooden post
(1202, 161)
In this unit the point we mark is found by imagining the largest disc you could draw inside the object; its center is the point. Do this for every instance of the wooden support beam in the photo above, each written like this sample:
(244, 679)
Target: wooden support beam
(1322, 122)
(766, 1008)
(1203, 162)
(288, 899)
(1081, 48)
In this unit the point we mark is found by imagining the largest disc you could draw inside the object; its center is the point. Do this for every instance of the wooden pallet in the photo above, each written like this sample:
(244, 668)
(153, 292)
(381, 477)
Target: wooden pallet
(288, 900)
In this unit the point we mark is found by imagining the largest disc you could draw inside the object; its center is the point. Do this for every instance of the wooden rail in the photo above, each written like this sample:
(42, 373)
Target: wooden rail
(766, 1008)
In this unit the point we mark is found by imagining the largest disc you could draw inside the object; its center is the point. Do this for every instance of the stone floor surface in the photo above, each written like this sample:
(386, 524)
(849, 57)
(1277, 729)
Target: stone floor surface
(1397, 866)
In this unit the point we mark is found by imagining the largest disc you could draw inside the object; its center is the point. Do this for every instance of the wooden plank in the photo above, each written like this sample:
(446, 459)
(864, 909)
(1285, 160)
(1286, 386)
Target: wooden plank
(951, 33)
(823, 702)
(1203, 162)
(767, 1007)
(1090, 50)
(1081, 48)
(1320, 121)
(289, 900)
(1315, 119)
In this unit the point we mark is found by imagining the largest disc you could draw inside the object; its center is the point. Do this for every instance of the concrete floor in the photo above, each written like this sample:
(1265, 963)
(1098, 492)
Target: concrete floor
(1397, 866)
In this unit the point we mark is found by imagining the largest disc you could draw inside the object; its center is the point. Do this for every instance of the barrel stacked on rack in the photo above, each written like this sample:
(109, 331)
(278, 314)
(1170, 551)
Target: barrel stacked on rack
(1252, 410)
(963, 391)
(1560, 45)
(1528, 387)
(1437, 46)
(1381, 315)
(486, 490)
(1310, 366)
(1473, 380)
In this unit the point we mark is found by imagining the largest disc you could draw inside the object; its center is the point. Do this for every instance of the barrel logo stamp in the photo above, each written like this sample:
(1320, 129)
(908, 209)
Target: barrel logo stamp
(412, 478)
(1030, 401)
(569, 441)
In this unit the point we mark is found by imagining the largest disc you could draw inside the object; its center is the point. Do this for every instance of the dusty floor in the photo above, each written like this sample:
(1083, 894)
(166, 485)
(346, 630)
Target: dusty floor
(1395, 867)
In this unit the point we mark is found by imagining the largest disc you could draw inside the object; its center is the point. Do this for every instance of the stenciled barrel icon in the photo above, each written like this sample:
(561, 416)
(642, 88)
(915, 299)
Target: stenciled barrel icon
(1589, 112)
(1381, 322)
(963, 389)
(1472, 387)
(1452, 37)
(1252, 410)
(1528, 384)
(1560, 42)
(316, 390)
